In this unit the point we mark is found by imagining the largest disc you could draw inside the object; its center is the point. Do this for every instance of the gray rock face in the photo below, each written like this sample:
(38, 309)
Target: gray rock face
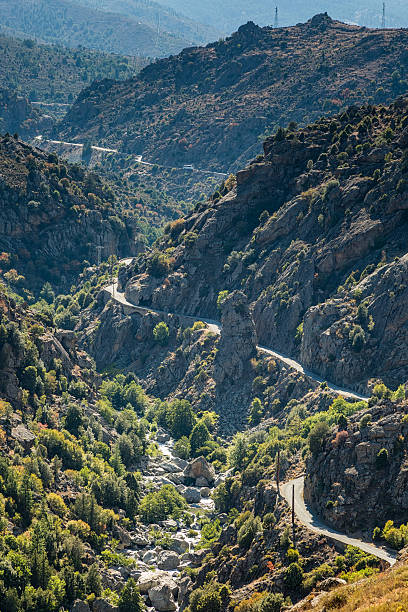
(102, 605)
(363, 491)
(199, 468)
(192, 496)
(168, 560)
(23, 436)
(162, 598)
(80, 606)
(238, 339)
(179, 545)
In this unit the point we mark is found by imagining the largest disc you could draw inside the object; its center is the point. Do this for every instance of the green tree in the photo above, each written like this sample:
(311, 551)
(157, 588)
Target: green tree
(161, 333)
(199, 436)
(130, 599)
(317, 437)
(255, 412)
(29, 378)
(293, 575)
(73, 419)
(93, 581)
(181, 418)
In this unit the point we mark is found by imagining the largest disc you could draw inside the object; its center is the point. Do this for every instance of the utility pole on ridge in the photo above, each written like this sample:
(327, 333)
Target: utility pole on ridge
(276, 23)
(383, 17)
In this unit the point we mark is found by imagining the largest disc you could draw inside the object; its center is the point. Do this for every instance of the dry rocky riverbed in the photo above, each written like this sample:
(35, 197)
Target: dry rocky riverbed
(158, 571)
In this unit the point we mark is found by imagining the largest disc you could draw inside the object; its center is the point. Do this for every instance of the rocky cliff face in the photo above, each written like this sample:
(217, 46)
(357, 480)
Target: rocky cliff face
(314, 235)
(210, 106)
(18, 115)
(349, 484)
(53, 215)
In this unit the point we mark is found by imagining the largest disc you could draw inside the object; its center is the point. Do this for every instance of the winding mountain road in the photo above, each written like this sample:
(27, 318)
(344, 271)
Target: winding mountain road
(312, 522)
(303, 513)
(215, 326)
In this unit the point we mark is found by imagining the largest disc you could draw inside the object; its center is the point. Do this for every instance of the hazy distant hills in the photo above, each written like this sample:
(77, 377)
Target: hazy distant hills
(229, 14)
(72, 23)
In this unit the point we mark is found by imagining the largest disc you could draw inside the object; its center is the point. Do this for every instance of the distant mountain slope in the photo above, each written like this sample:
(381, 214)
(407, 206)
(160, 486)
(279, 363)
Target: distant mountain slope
(212, 106)
(50, 73)
(157, 15)
(230, 14)
(67, 22)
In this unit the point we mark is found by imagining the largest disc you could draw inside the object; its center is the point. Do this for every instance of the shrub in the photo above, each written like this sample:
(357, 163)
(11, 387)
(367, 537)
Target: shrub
(293, 575)
(161, 504)
(222, 297)
(317, 437)
(199, 436)
(255, 412)
(272, 602)
(248, 531)
(57, 505)
(182, 448)
(161, 333)
(180, 418)
(382, 458)
(130, 599)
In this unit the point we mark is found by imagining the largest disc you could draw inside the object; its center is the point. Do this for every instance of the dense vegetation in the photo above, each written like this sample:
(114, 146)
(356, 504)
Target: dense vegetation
(50, 74)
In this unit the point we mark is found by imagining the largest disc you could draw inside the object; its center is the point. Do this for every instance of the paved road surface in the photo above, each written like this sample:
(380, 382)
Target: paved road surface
(215, 327)
(304, 515)
(312, 522)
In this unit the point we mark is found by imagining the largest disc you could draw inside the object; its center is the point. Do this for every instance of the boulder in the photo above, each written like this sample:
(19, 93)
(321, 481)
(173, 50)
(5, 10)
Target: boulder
(168, 560)
(149, 557)
(201, 482)
(161, 597)
(150, 579)
(192, 495)
(179, 545)
(80, 606)
(102, 605)
(200, 468)
(205, 492)
(23, 436)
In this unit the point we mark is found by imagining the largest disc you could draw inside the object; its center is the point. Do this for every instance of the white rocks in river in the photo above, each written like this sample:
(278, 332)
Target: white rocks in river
(179, 545)
(192, 495)
(169, 525)
(149, 557)
(168, 560)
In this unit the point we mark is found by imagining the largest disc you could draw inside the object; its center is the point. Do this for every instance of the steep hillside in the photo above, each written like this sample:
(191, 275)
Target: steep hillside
(211, 106)
(18, 115)
(68, 22)
(48, 73)
(314, 234)
(52, 216)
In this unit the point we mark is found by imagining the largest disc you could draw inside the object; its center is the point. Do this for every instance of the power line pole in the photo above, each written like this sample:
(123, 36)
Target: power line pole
(99, 248)
(383, 17)
(293, 516)
(276, 23)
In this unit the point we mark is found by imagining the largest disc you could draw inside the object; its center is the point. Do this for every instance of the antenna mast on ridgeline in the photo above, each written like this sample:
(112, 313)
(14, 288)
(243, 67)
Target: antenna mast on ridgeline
(276, 23)
(383, 17)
